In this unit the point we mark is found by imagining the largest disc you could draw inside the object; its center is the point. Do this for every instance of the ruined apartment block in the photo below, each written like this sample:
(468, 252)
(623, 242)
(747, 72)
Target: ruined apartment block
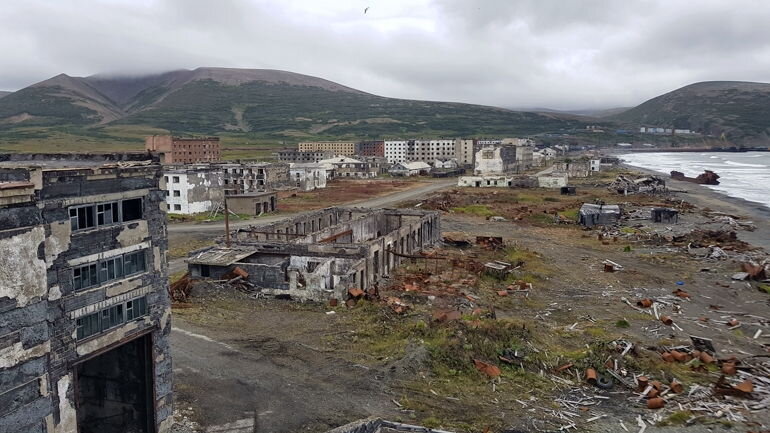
(248, 177)
(193, 188)
(84, 308)
(321, 255)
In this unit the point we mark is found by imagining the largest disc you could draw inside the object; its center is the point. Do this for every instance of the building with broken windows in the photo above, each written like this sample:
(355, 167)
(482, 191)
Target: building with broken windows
(193, 188)
(84, 309)
(321, 255)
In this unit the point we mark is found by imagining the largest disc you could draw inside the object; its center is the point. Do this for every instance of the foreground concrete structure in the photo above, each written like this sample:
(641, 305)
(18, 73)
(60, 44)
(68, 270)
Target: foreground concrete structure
(321, 255)
(84, 308)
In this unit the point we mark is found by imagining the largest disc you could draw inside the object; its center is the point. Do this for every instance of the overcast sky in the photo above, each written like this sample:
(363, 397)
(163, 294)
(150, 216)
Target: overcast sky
(563, 54)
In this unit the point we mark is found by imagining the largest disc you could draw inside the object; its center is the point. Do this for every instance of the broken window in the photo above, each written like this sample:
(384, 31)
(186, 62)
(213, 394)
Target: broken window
(132, 209)
(177, 193)
(176, 179)
(106, 270)
(106, 213)
(111, 269)
(134, 262)
(82, 217)
(177, 207)
(110, 317)
(311, 266)
(136, 308)
(84, 277)
(87, 326)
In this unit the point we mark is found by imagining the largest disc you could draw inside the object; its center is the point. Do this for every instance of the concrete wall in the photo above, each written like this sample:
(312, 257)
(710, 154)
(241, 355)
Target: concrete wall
(253, 204)
(337, 249)
(39, 305)
(552, 181)
(199, 190)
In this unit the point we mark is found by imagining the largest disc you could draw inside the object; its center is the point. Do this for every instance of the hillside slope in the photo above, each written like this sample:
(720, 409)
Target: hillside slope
(4, 93)
(738, 109)
(215, 100)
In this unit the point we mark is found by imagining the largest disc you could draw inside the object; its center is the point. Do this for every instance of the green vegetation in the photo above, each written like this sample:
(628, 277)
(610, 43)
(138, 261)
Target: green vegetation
(737, 109)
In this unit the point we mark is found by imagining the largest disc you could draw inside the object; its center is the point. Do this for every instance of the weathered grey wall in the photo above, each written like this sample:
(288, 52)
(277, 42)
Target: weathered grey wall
(38, 306)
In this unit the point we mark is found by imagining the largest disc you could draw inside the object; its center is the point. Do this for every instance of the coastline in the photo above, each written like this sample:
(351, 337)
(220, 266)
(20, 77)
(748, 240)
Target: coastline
(703, 197)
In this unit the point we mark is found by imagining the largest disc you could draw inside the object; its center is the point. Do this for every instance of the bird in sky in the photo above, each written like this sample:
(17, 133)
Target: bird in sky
(366, 9)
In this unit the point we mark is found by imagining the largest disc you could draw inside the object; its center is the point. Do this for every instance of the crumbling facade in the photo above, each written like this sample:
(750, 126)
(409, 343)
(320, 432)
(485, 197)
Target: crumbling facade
(192, 189)
(247, 177)
(321, 255)
(184, 150)
(84, 309)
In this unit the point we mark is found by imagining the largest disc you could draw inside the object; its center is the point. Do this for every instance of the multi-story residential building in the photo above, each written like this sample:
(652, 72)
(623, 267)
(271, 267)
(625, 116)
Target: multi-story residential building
(84, 307)
(419, 150)
(337, 147)
(193, 188)
(464, 151)
(396, 150)
(293, 155)
(370, 148)
(247, 177)
(183, 150)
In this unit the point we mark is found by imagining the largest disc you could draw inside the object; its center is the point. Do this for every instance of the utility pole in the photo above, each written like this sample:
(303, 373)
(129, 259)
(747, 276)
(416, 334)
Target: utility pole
(227, 223)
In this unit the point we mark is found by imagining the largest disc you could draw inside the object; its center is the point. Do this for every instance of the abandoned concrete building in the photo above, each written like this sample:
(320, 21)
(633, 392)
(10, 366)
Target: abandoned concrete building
(321, 255)
(245, 177)
(253, 203)
(84, 308)
(183, 150)
(193, 188)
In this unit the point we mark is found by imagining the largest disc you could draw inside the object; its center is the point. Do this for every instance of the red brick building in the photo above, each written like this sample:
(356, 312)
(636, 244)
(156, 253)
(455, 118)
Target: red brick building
(184, 150)
(370, 148)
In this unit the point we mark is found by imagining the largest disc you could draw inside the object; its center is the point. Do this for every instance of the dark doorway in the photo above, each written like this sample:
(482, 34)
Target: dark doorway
(114, 392)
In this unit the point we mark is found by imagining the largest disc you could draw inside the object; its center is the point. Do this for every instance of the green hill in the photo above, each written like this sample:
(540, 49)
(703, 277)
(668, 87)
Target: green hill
(253, 102)
(740, 110)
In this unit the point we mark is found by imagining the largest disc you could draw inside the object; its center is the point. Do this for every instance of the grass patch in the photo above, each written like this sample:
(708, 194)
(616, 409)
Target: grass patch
(622, 323)
(475, 209)
(679, 417)
(181, 250)
(764, 288)
(204, 217)
(570, 214)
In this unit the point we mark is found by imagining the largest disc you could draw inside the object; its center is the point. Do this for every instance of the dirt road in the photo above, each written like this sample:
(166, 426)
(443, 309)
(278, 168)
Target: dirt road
(290, 384)
(378, 202)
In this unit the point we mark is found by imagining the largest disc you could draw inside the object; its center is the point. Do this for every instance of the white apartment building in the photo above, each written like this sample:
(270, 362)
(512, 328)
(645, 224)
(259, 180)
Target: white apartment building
(192, 189)
(419, 150)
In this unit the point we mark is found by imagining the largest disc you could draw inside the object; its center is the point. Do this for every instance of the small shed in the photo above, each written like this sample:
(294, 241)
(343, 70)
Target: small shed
(598, 214)
(664, 215)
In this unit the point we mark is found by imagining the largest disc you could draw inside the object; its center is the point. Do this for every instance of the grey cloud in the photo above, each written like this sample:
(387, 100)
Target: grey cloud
(561, 54)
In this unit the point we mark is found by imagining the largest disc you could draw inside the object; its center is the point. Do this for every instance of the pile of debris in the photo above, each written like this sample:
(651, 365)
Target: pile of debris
(646, 184)
(708, 177)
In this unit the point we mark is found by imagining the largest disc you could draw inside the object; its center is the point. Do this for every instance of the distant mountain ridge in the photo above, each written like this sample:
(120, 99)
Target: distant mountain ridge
(738, 109)
(212, 100)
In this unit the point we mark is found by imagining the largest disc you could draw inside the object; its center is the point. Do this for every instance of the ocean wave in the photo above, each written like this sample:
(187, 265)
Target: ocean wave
(743, 164)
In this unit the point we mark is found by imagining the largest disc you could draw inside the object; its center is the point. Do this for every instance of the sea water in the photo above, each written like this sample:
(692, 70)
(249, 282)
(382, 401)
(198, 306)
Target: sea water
(744, 175)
